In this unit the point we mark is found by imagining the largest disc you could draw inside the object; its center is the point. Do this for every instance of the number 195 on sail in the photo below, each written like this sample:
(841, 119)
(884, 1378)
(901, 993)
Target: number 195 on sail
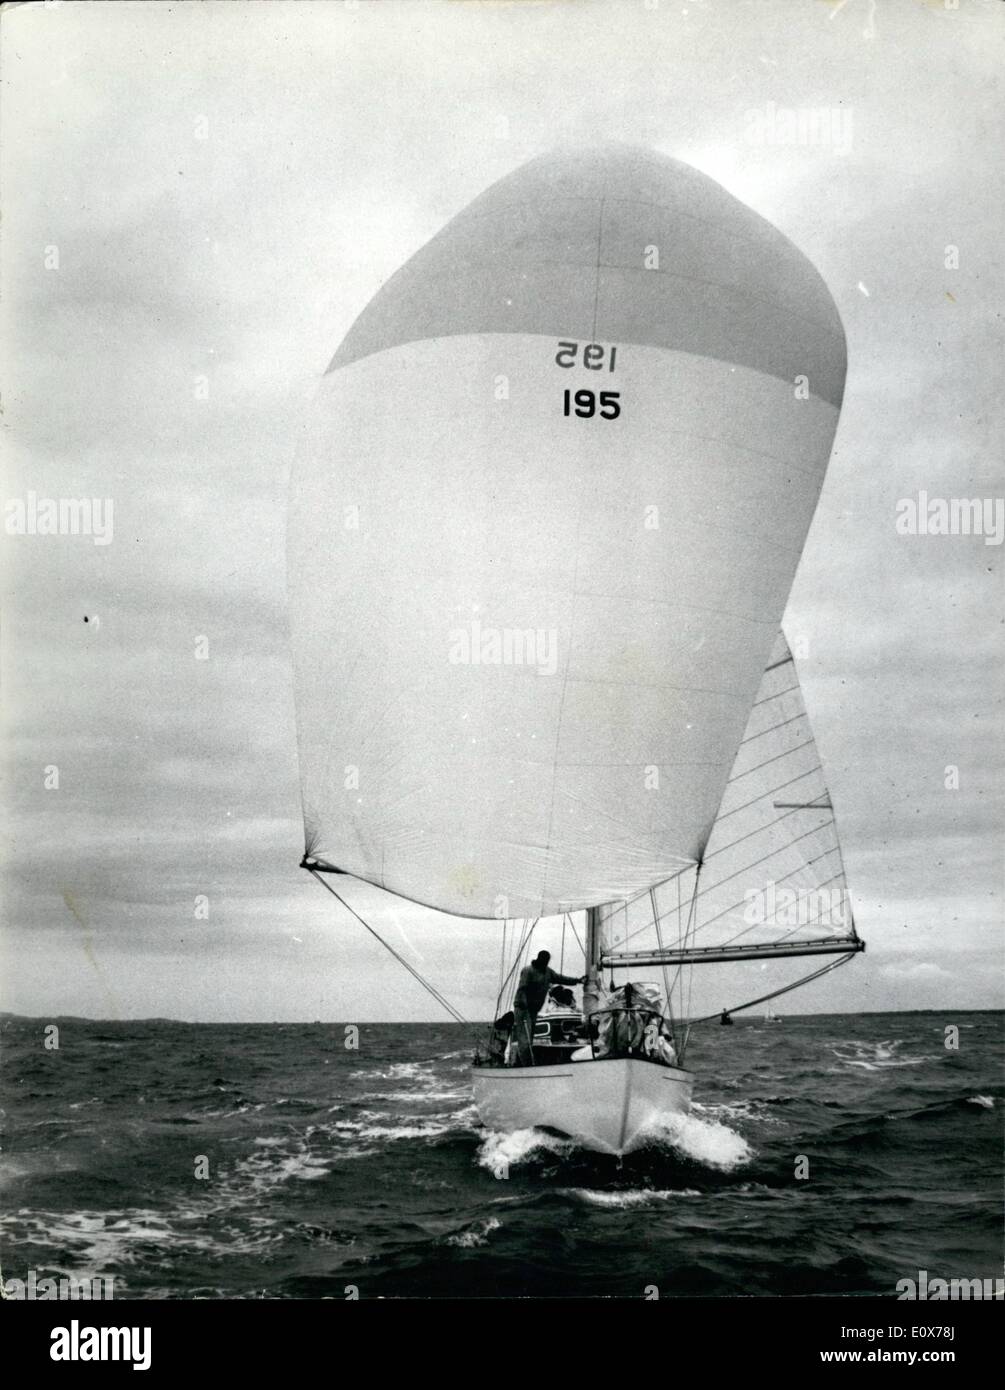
(585, 404)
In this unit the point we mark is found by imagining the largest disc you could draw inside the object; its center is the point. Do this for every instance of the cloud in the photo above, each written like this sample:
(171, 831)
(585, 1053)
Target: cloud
(221, 217)
(925, 972)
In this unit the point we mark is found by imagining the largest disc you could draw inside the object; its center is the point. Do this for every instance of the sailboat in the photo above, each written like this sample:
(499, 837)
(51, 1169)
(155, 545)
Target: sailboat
(770, 1016)
(544, 520)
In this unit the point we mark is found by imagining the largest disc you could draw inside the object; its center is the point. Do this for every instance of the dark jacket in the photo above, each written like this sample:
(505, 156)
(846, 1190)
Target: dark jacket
(534, 985)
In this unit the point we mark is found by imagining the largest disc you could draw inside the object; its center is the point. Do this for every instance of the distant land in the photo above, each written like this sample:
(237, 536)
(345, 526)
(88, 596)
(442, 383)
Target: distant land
(446, 1023)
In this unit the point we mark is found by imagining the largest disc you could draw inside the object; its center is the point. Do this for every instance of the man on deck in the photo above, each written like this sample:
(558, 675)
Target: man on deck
(535, 981)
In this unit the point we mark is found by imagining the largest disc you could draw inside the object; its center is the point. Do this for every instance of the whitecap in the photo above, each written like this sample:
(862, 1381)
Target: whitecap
(419, 1097)
(474, 1235)
(755, 1110)
(624, 1200)
(705, 1141)
(398, 1071)
(877, 1056)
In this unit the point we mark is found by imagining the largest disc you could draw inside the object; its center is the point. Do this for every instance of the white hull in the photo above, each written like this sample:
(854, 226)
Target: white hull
(608, 1105)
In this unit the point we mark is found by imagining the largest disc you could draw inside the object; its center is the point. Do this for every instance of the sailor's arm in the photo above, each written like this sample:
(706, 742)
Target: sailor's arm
(557, 979)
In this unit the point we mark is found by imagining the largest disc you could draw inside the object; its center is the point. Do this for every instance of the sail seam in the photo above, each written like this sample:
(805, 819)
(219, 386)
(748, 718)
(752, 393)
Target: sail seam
(596, 281)
(747, 867)
(680, 605)
(772, 727)
(799, 925)
(772, 791)
(787, 752)
(775, 695)
(733, 906)
(654, 685)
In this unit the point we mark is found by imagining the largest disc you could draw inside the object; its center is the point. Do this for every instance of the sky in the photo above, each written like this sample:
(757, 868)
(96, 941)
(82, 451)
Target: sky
(199, 200)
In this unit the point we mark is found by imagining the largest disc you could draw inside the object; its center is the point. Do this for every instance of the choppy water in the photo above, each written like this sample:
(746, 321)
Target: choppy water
(330, 1167)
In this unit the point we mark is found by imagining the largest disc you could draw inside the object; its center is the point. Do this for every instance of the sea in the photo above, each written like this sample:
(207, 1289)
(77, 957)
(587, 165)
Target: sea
(823, 1155)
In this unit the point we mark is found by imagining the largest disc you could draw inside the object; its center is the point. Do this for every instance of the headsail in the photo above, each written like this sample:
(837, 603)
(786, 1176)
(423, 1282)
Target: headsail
(771, 881)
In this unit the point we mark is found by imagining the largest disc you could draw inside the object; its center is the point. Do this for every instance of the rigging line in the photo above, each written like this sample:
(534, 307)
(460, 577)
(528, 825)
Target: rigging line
(775, 664)
(673, 983)
(847, 890)
(772, 791)
(502, 965)
(528, 933)
(659, 941)
(516, 956)
(572, 928)
(426, 984)
(786, 989)
(637, 897)
(672, 878)
(680, 964)
(636, 931)
(517, 940)
(691, 934)
(686, 1007)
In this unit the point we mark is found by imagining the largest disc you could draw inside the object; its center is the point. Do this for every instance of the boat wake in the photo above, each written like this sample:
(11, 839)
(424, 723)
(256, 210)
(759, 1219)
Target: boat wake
(499, 1152)
(695, 1137)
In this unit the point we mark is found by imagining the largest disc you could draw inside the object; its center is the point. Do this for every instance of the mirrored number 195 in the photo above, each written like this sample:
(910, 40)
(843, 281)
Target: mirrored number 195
(595, 356)
(584, 404)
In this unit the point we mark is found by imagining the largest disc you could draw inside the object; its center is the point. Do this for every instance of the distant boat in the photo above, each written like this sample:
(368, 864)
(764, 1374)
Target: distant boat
(543, 526)
(770, 1016)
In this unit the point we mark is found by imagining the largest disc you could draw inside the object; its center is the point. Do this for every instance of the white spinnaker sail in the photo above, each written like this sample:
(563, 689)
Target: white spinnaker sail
(506, 618)
(772, 873)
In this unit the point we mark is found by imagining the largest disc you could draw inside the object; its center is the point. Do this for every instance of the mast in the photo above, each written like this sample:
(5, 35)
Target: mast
(592, 945)
(593, 950)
